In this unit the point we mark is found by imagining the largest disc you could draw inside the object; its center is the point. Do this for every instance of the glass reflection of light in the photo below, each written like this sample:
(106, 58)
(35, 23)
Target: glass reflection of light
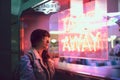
(112, 21)
(113, 37)
(53, 40)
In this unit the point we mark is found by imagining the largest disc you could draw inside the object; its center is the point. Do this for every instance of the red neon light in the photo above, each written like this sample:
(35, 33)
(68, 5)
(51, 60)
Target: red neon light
(22, 39)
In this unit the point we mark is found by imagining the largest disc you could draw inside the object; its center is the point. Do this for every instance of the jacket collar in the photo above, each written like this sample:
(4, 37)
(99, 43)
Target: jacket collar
(34, 53)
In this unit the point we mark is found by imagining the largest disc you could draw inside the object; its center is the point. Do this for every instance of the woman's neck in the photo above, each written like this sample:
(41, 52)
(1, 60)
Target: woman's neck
(39, 51)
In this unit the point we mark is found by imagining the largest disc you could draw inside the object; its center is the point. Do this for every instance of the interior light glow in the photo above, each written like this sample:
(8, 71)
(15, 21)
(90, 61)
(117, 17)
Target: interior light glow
(57, 32)
(109, 23)
(112, 38)
(112, 21)
(53, 40)
(109, 39)
(113, 14)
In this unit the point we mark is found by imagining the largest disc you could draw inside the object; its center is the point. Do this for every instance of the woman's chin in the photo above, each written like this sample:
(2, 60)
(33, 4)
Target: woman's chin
(45, 48)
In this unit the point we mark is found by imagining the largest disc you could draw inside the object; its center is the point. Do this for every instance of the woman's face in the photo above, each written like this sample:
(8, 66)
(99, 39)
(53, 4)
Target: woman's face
(45, 43)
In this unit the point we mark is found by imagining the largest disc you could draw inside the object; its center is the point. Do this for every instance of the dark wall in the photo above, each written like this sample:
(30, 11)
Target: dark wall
(5, 40)
(112, 6)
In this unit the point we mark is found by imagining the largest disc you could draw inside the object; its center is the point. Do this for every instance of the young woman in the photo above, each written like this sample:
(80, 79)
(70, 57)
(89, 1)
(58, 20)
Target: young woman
(41, 67)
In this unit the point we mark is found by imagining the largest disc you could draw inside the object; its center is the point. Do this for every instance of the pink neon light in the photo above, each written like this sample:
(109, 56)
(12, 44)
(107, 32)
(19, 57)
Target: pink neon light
(83, 42)
(85, 36)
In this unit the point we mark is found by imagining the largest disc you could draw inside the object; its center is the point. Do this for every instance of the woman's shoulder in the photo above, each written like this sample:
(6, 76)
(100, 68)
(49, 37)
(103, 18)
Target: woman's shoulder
(25, 61)
(25, 57)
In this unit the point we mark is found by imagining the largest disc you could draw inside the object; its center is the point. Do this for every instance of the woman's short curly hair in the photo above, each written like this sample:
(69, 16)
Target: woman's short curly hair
(37, 36)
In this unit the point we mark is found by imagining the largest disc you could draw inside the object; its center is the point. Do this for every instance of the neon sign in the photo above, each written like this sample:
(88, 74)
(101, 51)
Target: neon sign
(84, 36)
(83, 42)
(82, 33)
